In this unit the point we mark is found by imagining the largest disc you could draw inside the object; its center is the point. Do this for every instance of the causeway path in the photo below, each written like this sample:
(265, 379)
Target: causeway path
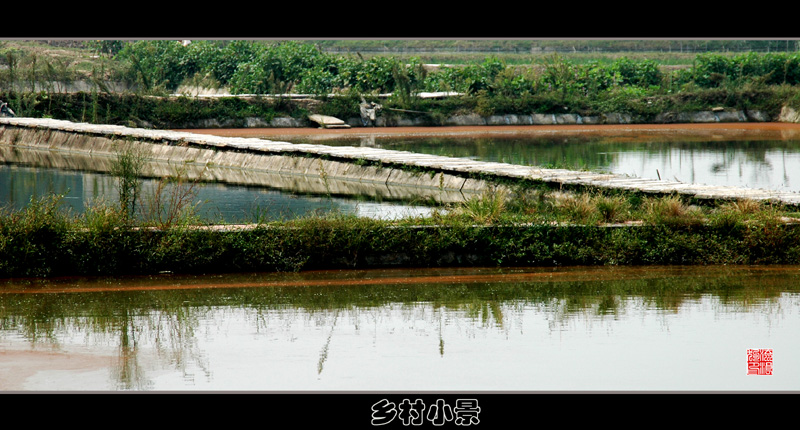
(712, 131)
(232, 147)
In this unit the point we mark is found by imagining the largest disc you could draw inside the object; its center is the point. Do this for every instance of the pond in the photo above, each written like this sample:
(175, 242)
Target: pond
(768, 164)
(480, 329)
(214, 201)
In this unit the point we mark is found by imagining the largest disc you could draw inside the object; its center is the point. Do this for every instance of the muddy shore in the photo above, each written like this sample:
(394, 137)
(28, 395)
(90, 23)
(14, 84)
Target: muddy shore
(761, 130)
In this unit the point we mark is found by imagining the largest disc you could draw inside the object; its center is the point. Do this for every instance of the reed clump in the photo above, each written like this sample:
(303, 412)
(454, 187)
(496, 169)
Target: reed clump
(578, 208)
(613, 209)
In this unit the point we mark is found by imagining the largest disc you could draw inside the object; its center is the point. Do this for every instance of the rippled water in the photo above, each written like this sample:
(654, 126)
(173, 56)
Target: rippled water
(467, 329)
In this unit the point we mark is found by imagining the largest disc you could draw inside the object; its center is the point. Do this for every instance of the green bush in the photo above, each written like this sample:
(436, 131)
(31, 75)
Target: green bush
(713, 70)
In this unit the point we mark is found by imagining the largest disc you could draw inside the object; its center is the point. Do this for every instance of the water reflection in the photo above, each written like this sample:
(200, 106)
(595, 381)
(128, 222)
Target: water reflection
(215, 201)
(765, 164)
(449, 329)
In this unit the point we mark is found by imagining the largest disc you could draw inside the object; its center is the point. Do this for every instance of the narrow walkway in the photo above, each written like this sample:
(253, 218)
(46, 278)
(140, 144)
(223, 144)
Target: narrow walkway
(448, 165)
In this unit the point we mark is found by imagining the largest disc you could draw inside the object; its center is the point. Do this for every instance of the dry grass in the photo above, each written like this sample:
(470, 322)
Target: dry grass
(670, 210)
(613, 208)
(577, 208)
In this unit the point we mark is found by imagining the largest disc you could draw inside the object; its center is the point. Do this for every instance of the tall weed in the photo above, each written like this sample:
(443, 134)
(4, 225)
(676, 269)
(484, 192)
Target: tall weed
(670, 211)
(128, 168)
(172, 203)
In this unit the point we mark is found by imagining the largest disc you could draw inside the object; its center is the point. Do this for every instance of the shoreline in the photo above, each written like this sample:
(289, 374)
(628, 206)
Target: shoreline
(775, 130)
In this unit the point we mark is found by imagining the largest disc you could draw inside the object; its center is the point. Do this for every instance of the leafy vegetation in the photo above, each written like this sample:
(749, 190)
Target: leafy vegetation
(41, 83)
(532, 227)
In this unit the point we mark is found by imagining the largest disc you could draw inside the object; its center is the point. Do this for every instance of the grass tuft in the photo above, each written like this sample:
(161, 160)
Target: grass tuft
(670, 211)
(613, 209)
(487, 208)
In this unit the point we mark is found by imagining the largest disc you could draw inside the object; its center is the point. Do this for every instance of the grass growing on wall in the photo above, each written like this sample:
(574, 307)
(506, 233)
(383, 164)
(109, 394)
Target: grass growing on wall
(547, 229)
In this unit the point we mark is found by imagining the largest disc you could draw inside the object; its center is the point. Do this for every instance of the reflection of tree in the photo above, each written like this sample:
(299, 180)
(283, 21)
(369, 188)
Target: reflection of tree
(323, 354)
(625, 155)
(130, 375)
(167, 321)
(52, 318)
(573, 152)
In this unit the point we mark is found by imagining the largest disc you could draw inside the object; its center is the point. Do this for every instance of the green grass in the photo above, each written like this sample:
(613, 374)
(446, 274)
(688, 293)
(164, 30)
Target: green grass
(522, 228)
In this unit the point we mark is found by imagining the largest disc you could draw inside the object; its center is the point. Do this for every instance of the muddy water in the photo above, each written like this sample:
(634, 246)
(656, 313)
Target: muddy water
(523, 329)
(668, 131)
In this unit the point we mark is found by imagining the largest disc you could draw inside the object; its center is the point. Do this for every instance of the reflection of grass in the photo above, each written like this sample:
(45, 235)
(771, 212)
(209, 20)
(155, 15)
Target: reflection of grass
(168, 321)
(145, 313)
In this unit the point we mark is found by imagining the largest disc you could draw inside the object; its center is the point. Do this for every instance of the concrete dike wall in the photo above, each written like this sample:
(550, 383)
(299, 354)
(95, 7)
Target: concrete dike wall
(711, 116)
(314, 168)
(304, 168)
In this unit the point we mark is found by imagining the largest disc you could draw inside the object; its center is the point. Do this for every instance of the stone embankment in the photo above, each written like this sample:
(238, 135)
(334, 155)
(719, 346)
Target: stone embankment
(703, 117)
(716, 115)
(396, 119)
(325, 169)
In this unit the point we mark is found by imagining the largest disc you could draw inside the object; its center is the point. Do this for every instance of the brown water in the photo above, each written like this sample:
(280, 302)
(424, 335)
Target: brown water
(634, 131)
(482, 329)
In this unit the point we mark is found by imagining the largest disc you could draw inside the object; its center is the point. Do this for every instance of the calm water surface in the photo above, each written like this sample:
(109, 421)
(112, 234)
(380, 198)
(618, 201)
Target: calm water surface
(768, 164)
(472, 330)
(214, 201)
(469, 329)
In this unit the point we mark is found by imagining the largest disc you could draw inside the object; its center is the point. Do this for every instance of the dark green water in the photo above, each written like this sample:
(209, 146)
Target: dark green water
(520, 329)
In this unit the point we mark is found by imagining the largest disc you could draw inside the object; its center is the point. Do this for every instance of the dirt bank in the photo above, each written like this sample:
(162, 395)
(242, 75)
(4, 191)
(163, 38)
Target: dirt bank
(768, 130)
